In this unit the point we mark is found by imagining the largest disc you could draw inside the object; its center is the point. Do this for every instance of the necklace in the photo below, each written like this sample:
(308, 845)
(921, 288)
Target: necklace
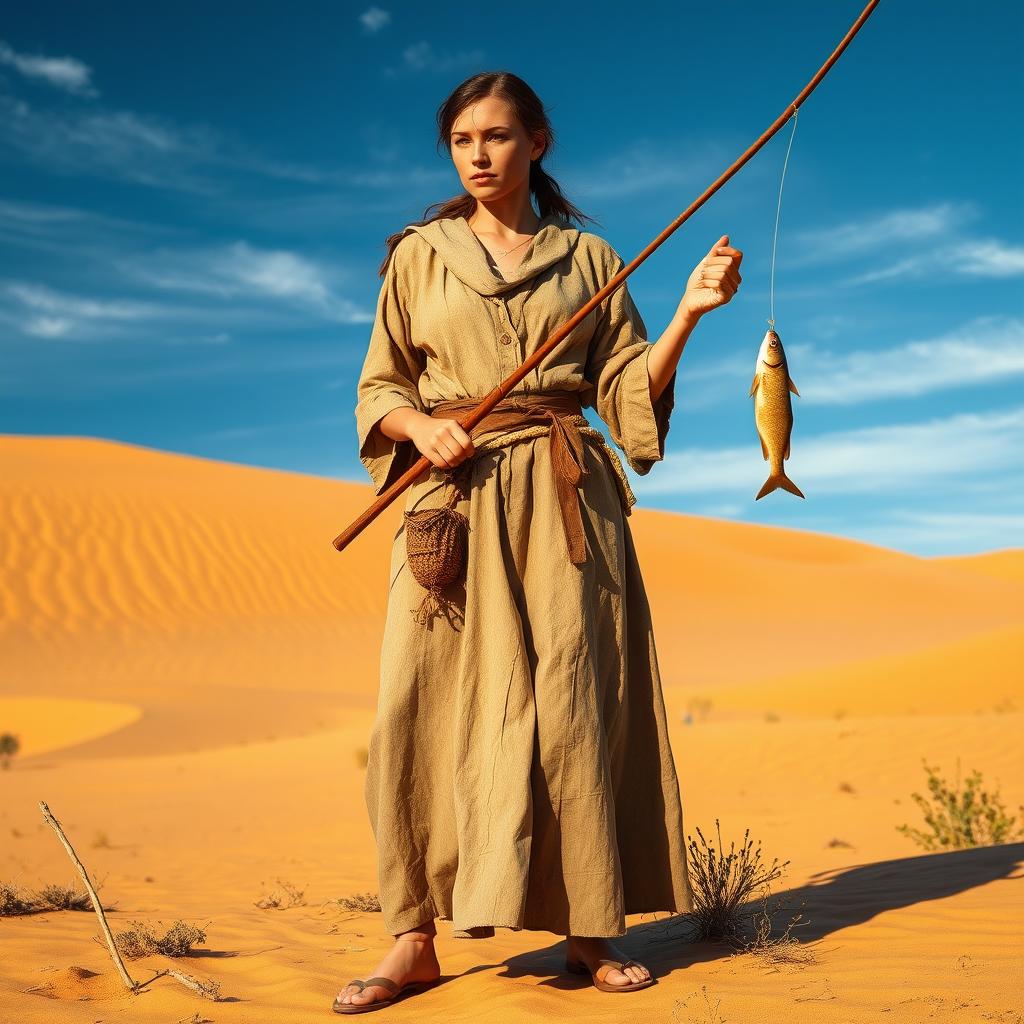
(513, 249)
(502, 255)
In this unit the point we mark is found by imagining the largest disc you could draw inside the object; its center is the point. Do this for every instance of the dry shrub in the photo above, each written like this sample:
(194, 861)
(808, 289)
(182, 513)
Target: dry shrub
(723, 883)
(13, 903)
(363, 902)
(63, 897)
(140, 940)
(289, 896)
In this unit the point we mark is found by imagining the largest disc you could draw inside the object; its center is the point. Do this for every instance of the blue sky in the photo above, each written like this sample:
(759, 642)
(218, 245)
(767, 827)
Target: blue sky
(195, 199)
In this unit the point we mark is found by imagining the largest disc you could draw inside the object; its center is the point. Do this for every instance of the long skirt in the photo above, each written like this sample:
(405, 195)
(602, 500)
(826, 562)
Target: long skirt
(519, 771)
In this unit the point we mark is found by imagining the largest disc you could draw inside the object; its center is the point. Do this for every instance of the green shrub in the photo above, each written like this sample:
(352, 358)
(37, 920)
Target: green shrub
(959, 819)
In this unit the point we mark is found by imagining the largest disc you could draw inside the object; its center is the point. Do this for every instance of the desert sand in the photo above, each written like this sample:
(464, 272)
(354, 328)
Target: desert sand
(191, 669)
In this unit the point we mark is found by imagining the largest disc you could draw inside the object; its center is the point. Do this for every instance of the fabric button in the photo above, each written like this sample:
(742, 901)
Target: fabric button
(505, 340)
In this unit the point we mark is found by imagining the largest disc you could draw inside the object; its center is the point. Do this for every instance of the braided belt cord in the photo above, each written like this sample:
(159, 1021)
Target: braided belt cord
(584, 427)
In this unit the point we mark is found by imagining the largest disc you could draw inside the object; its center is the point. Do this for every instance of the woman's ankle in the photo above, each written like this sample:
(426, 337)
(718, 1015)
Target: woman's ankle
(426, 930)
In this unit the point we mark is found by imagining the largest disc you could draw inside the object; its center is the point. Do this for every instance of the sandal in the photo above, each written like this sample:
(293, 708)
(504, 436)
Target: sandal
(577, 967)
(409, 987)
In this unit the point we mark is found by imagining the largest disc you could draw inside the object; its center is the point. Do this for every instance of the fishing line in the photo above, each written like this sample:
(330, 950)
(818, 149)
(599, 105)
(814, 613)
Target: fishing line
(778, 209)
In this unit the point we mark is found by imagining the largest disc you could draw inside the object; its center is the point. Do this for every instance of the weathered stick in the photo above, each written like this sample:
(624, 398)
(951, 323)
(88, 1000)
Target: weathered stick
(207, 989)
(118, 962)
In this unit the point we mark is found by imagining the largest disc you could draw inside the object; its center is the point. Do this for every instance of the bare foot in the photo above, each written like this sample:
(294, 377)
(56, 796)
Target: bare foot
(590, 949)
(411, 958)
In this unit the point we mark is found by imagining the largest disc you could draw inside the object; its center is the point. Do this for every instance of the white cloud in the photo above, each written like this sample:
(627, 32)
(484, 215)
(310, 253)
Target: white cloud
(44, 312)
(943, 532)
(117, 144)
(374, 19)
(242, 270)
(928, 243)
(867, 233)
(40, 297)
(65, 73)
(879, 459)
(48, 326)
(981, 257)
(422, 56)
(642, 166)
(988, 349)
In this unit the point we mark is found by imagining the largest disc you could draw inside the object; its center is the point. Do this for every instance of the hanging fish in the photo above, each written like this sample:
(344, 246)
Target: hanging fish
(773, 411)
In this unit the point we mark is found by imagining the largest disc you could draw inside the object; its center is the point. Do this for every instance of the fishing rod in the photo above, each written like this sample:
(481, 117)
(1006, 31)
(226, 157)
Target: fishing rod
(490, 401)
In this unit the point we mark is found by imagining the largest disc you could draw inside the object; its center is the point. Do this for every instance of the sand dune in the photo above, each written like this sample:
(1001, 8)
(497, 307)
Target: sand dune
(191, 668)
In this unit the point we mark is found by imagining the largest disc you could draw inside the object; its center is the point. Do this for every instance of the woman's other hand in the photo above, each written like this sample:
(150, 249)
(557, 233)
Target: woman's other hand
(442, 440)
(714, 280)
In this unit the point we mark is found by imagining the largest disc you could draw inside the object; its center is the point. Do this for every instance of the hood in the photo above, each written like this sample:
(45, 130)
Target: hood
(464, 255)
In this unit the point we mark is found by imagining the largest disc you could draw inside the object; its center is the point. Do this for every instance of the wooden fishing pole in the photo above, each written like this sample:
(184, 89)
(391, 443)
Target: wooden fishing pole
(471, 419)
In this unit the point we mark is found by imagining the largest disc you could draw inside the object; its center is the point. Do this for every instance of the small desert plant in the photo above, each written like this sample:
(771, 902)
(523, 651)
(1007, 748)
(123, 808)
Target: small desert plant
(722, 883)
(9, 746)
(140, 940)
(774, 949)
(363, 902)
(63, 897)
(13, 904)
(292, 896)
(960, 819)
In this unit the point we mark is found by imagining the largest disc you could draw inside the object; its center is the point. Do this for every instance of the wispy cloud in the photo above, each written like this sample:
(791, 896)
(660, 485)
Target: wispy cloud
(869, 233)
(242, 270)
(373, 19)
(880, 459)
(421, 57)
(67, 73)
(983, 257)
(119, 144)
(122, 145)
(988, 349)
(943, 531)
(929, 240)
(644, 166)
(52, 314)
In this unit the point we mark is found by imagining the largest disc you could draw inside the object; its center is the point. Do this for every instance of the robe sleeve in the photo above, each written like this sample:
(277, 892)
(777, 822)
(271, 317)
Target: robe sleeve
(617, 368)
(388, 380)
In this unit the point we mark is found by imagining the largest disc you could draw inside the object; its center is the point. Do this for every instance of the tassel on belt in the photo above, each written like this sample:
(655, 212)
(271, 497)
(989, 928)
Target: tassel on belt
(569, 468)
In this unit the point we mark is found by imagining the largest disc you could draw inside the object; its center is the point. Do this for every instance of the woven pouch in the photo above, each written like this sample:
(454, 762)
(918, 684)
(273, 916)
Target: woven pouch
(436, 545)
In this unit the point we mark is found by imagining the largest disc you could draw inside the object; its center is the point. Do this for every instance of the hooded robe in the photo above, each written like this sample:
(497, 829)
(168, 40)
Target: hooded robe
(519, 770)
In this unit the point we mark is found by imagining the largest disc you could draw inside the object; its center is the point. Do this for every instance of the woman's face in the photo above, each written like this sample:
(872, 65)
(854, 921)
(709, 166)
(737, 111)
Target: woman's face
(488, 138)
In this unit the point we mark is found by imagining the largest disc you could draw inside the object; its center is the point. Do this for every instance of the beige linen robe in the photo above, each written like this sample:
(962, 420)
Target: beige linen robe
(519, 771)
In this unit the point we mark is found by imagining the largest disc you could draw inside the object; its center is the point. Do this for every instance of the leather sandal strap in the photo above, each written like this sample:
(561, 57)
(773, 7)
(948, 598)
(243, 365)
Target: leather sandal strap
(357, 981)
(383, 982)
(604, 966)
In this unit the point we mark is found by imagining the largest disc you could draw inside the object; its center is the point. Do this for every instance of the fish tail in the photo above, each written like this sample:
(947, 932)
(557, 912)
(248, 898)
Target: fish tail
(776, 480)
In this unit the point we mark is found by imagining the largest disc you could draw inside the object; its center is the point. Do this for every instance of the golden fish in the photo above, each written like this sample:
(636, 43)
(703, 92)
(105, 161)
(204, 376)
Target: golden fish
(773, 411)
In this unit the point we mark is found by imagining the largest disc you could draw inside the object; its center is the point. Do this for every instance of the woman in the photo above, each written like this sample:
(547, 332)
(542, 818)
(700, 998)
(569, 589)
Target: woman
(519, 771)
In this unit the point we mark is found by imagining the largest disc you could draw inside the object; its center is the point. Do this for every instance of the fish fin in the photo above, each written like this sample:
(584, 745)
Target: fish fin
(764, 447)
(792, 386)
(788, 440)
(754, 383)
(775, 481)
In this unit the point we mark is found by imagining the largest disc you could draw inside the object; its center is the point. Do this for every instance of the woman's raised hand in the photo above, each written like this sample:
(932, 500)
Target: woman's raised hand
(714, 280)
(443, 441)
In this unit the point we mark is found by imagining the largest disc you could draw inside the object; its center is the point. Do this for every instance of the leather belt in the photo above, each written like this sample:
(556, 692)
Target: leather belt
(569, 468)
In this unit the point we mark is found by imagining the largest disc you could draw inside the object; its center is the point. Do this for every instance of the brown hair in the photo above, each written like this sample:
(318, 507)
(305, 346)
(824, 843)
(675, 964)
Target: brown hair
(527, 107)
